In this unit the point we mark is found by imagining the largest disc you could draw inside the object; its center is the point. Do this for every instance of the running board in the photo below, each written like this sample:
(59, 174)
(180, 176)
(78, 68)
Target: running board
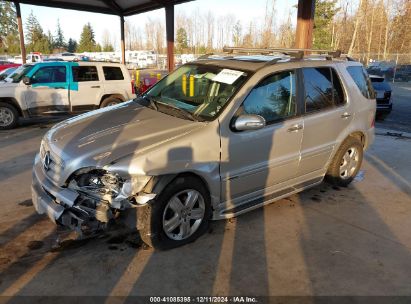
(267, 199)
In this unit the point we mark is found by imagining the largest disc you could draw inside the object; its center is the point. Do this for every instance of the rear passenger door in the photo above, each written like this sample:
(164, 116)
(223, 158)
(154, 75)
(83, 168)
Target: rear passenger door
(85, 87)
(327, 114)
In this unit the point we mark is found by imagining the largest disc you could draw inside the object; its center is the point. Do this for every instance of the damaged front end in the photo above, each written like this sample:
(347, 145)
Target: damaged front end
(89, 200)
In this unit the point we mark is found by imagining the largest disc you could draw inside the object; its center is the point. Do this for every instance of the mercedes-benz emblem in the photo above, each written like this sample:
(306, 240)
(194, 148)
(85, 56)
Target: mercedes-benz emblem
(47, 161)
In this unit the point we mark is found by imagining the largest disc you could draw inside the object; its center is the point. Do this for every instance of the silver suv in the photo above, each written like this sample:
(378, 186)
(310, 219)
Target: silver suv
(216, 138)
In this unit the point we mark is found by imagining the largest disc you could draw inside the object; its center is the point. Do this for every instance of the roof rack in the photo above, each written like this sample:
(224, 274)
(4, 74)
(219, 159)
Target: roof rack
(294, 53)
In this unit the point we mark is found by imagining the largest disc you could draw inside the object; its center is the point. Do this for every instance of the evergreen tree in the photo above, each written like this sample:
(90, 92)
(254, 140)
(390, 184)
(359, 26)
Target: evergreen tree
(325, 10)
(87, 40)
(9, 40)
(37, 41)
(59, 42)
(108, 47)
(72, 45)
(50, 39)
(181, 40)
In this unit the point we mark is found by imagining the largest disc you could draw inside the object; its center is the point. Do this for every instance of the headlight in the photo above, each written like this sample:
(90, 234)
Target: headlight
(106, 185)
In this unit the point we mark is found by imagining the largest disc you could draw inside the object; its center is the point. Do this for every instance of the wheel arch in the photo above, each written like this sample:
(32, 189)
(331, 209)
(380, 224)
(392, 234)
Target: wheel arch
(358, 135)
(158, 183)
(115, 95)
(13, 102)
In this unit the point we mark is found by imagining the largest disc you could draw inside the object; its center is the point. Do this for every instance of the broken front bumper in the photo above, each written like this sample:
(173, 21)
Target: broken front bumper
(47, 197)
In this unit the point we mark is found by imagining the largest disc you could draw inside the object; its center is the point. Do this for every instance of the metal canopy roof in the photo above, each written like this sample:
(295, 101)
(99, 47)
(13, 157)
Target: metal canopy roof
(112, 7)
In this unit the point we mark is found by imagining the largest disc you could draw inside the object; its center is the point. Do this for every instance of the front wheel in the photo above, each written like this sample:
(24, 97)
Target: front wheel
(179, 215)
(8, 116)
(346, 163)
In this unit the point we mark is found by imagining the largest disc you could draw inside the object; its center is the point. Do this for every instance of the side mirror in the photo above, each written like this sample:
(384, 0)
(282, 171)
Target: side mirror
(26, 80)
(249, 122)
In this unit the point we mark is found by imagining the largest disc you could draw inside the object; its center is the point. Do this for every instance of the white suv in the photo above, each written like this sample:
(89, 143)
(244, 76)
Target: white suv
(48, 88)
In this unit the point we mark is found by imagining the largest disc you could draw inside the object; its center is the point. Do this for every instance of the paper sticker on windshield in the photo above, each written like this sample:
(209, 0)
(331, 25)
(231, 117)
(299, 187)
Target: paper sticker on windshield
(228, 76)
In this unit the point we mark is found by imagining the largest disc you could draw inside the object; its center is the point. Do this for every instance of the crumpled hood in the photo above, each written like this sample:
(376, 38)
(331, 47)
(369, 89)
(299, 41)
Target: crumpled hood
(101, 137)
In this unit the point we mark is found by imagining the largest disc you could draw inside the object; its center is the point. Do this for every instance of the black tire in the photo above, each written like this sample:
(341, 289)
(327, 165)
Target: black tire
(150, 217)
(109, 101)
(11, 110)
(333, 175)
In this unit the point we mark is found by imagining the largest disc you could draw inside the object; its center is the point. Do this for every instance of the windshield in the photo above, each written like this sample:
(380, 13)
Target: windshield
(199, 90)
(18, 74)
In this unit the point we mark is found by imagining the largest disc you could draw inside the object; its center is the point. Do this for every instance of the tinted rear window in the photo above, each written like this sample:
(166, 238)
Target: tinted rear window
(361, 79)
(84, 73)
(381, 86)
(323, 89)
(113, 73)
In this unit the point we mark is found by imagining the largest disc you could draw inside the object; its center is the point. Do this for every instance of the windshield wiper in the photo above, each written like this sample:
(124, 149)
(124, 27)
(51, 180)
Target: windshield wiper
(182, 111)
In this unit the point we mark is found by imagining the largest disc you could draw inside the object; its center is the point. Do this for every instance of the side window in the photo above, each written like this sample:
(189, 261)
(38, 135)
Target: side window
(361, 79)
(112, 73)
(49, 75)
(339, 97)
(84, 73)
(273, 98)
(318, 89)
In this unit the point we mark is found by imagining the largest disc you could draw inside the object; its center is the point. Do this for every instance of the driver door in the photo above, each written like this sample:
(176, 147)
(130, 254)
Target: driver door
(48, 91)
(254, 162)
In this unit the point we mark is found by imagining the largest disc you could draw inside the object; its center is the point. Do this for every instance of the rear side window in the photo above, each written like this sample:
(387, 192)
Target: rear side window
(113, 73)
(339, 97)
(84, 73)
(273, 98)
(323, 89)
(360, 77)
(318, 89)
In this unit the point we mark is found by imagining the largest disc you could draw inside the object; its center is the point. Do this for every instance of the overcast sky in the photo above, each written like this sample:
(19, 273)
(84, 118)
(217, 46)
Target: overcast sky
(72, 21)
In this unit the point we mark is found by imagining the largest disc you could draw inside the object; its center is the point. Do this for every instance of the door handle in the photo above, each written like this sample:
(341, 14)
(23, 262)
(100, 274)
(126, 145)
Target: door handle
(345, 115)
(95, 87)
(295, 128)
(59, 88)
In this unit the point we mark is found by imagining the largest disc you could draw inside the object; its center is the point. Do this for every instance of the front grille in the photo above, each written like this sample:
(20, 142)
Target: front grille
(55, 165)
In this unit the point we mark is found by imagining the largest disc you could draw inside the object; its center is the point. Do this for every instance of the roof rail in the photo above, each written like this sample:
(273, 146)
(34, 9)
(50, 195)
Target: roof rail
(295, 53)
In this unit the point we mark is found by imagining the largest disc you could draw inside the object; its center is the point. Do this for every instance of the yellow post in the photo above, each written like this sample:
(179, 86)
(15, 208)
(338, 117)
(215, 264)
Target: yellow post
(137, 78)
(184, 84)
(191, 85)
(158, 76)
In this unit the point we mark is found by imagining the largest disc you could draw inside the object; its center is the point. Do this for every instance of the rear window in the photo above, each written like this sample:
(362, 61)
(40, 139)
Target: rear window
(84, 73)
(380, 84)
(361, 79)
(113, 73)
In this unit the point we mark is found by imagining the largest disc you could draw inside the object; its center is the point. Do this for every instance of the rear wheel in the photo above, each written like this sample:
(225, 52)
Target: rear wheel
(8, 116)
(110, 101)
(179, 215)
(346, 163)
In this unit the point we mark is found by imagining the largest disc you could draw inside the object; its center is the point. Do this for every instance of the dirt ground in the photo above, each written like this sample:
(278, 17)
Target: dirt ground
(324, 241)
